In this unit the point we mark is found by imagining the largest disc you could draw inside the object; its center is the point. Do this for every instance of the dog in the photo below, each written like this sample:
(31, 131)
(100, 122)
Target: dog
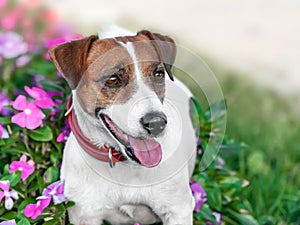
(132, 149)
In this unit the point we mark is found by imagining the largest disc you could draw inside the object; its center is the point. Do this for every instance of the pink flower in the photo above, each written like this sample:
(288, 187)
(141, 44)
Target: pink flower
(26, 167)
(34, 210)
(54, 192)
(59, 94)
(41, 97)
(31, 117)
(199, 194)
(65, 133)
(12, 45)
(7, 195)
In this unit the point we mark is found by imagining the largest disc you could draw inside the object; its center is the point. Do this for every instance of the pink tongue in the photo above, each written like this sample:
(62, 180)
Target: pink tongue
(147, 151)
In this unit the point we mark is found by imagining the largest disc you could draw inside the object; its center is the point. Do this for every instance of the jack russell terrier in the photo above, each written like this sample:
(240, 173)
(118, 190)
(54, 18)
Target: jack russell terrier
(132, 150)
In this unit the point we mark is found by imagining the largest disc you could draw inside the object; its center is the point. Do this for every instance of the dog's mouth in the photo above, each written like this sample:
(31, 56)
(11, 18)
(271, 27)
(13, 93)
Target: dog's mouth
(146, 152)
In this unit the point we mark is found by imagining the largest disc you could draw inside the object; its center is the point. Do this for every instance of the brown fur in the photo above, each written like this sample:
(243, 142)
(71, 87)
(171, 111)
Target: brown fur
(87, 62)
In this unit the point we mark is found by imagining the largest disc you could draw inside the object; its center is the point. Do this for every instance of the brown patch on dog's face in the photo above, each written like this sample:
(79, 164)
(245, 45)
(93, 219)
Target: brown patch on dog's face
(109, 78)
(103, 71)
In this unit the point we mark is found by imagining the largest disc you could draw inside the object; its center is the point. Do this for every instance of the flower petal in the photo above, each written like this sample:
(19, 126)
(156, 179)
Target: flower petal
(8, 222)
(23, 158)
(4, 185)
(29, 210)
(9, 203)
(14, 194)
(1, 195)
(32, 92)
(19, 119)
(20, 103)
(35, 120)
(57, 199)
(44, 103)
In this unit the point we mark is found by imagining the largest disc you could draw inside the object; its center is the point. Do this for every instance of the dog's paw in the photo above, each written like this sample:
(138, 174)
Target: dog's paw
(140, 213)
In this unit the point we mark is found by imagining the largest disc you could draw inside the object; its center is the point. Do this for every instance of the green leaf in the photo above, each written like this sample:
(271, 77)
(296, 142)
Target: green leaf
(41, 134)
(52, 174)
(23, 221)
(15, 178)
(41, 183)
(9, 216)
(244, 219)
(52, 222)
(214, 198)
(206, 213)
(50, 85)
(69, 204)
(5, 120)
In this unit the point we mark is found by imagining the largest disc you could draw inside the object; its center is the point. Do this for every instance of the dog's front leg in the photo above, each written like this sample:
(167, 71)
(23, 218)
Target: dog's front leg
(177, 212)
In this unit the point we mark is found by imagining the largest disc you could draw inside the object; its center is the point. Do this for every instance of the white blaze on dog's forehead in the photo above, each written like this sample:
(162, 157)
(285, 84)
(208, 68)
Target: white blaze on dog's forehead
(130, 49)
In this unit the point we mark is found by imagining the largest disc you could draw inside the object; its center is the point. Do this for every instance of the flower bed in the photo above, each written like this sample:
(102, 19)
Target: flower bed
(33, 130)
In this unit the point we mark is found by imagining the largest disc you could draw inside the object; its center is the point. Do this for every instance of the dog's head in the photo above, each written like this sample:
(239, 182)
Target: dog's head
(121, 82)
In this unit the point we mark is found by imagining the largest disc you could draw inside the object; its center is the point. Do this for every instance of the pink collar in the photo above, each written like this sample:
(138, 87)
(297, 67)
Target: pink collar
(103, 153)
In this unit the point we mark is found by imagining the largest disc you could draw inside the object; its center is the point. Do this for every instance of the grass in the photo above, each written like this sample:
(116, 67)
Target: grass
(268, 123)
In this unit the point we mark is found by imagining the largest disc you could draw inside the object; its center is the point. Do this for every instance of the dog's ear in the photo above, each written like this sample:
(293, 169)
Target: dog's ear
(71, 59)
(165, 48)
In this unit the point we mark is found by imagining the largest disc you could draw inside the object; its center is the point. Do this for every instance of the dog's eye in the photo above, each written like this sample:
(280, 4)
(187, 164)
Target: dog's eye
(159, 74)
(113, 81)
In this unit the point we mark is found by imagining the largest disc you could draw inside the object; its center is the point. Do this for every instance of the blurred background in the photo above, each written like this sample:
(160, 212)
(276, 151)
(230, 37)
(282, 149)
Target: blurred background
(258, 38)
(253, 48)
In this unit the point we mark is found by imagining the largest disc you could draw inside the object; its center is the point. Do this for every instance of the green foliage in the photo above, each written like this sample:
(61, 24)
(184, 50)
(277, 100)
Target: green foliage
(270, 126)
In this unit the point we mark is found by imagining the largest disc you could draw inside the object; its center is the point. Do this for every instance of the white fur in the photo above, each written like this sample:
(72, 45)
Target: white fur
(130, 193)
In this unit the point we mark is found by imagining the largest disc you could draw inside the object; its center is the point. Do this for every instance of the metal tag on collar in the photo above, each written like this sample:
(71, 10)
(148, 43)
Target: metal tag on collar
(111, 162)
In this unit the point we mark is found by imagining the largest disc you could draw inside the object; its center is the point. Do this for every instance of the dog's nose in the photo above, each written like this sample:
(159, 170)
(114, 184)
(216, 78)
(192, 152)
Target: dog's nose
(154, 123)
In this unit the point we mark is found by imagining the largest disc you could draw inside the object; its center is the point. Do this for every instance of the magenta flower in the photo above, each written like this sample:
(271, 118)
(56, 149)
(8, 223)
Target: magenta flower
(41, 97)
(34, 210)
(65, 133)
(9, 222)
(26, 167)
(5, 101)
(12, 45)
(7, 195)
(31, 117)
(59, 94)
(54, 192)
(199, 194)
